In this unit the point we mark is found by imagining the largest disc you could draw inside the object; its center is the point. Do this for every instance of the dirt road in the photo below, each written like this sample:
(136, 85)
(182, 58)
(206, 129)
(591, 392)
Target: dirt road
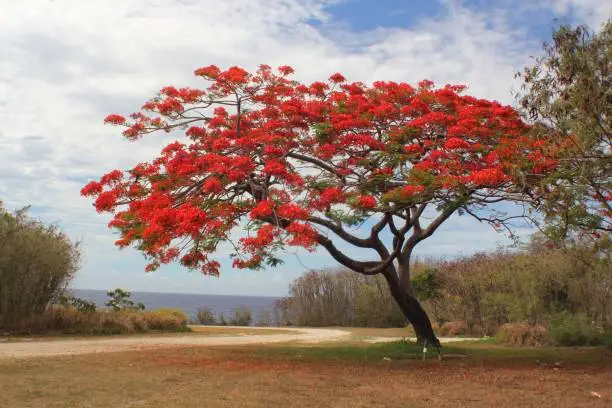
(59, 347)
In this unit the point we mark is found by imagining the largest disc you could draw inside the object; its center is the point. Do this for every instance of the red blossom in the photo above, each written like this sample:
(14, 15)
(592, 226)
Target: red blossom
(286, 70)
(275, 168)
(212, 185)
(488, 177)
(411, 190)
(337, 78)
(456, 143)
(366, 202)
(292, 211)
(210, 71)
(262, 209)
(114, 119)
(91, 188)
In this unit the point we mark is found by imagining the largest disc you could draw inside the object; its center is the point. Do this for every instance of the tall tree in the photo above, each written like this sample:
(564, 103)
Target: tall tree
(568, 94)
(289, 164)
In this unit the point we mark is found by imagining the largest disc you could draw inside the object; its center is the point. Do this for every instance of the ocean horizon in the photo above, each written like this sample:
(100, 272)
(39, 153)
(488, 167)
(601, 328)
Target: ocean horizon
(189, 302)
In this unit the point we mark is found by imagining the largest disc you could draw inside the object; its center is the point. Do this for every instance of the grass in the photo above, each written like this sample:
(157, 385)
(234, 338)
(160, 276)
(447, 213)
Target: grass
(332, 375)
(365, 332)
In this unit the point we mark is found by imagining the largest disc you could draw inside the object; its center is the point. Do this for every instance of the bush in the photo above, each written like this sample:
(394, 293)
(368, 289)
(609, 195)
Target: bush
(205, 317)
(36, 264)
(69, 320)
(221, 321)
(339, 297)
(242, 316)
(120, 300)
(567, 329)
(456, 328)
(374, 307)
(264, 318)
(607, 337)
(522, 334)
(79, 304)
(488, 290)
(166, 319)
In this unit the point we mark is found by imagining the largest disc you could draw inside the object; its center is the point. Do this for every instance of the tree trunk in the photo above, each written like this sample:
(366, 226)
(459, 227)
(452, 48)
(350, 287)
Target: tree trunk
(412, 309)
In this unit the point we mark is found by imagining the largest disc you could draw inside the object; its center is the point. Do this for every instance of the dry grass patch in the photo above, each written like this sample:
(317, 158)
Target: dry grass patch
(382, 332)
(300, 376)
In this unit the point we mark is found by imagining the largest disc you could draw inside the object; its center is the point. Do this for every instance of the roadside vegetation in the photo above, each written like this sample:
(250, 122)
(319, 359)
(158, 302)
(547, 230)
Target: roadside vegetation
(539, 295)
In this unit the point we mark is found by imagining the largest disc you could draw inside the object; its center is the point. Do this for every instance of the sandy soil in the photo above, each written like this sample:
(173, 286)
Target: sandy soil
(58, 347)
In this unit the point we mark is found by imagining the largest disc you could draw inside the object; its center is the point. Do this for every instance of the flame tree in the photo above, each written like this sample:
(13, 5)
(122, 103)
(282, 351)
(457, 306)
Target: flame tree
(267, 162)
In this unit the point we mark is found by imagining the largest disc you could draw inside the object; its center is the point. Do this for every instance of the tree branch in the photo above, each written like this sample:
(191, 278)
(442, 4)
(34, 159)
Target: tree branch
(342, 233)
(316, 162)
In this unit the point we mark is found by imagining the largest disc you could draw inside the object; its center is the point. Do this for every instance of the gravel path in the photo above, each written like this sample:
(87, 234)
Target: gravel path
(62, 347)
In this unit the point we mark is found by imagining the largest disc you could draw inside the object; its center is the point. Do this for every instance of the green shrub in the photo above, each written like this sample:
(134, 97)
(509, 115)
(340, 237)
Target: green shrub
(120, 300)
(566, 329)
(221, 321)
(205, 316)
(607, 337)
(242, 316)
(36, 264)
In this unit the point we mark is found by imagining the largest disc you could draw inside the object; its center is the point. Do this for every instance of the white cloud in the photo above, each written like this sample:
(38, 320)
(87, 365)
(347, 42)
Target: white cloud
(65, 64)
(591, 12)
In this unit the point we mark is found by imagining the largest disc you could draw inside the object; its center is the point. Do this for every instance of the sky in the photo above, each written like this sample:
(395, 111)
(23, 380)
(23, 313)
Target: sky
(66, 64)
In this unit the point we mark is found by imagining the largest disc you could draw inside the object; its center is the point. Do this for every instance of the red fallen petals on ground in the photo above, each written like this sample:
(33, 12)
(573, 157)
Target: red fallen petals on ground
(264, 151)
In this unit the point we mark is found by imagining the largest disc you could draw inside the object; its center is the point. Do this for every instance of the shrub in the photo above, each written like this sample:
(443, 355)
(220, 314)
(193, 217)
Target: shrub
(264, 318)
(374, 307)
(36, 264)
(242, 316)
(487, 290)
(120, 300)
(456, 328)
(166, 319)
(81, 305)
(607, 337)
(522, 334)
(567, 329)
(222, 321)
(205, 316)
(339, 297)
(69, 320)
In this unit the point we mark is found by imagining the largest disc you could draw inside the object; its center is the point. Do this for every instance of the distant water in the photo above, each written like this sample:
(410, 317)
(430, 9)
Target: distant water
(190, 303)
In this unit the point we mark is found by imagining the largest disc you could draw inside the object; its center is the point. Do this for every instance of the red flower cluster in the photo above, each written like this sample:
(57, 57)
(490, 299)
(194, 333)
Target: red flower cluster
(278, 152)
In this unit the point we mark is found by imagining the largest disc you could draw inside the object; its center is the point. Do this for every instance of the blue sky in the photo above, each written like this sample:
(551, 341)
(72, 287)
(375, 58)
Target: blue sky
(65, 65)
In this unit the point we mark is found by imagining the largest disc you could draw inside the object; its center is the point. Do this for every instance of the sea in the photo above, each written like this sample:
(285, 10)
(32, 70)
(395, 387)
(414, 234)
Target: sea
(190, 303)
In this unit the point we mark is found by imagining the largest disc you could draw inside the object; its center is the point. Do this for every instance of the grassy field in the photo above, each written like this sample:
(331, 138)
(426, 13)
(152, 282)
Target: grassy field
(327, 375)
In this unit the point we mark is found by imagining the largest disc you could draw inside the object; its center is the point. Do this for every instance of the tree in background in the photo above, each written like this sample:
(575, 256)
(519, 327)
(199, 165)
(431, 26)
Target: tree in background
(568, 94)
(37, 262)
(306, 165)
(119, 299)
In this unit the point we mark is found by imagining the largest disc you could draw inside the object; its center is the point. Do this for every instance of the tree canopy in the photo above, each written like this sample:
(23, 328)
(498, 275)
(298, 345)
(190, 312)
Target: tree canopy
(567, 93)
(289, 162)
(293, 164)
